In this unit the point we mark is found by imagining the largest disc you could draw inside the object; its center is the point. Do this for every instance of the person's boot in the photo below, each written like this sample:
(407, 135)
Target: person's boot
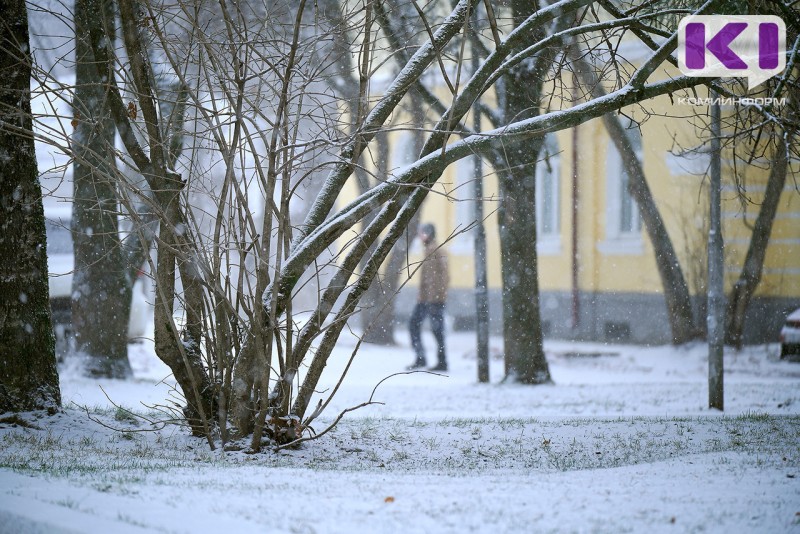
(419, 363)
(441, 366)
(442, 359)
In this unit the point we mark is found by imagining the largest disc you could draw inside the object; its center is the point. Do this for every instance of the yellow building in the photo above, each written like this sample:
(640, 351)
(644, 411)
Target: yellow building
(597, 268)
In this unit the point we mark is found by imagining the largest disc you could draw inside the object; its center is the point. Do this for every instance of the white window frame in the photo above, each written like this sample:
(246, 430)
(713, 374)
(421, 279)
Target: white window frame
(621, 241)
(548, 168)
(462, 195)
(401, 153)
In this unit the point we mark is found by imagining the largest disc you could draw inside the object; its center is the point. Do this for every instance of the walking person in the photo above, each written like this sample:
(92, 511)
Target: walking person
(433, 284)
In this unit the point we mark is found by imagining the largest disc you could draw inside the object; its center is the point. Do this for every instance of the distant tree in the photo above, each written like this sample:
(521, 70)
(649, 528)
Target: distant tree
(520, 96)
(676, 290)
(750, 276)
(108, 261)
(770, 133)
(101, 284)
(785, 149)
(350, 83)
(28, 375)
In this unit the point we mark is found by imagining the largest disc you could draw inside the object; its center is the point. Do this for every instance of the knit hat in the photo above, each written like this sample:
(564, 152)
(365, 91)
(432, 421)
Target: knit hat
(428, 229)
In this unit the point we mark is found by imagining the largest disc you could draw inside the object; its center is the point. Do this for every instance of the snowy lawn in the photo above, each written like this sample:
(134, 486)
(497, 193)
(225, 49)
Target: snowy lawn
(623, 442)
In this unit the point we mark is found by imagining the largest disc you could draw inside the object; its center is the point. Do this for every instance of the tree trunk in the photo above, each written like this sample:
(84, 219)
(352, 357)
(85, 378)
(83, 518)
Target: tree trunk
(28, 375)
(676, 291)
(753, 267)
(101, 287)
(522, 328)
(181, 355)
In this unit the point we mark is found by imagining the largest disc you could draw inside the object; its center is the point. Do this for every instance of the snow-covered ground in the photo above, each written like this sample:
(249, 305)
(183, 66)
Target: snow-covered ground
(622, 442)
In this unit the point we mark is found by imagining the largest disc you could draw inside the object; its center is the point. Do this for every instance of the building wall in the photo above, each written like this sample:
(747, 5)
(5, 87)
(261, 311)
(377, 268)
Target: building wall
(620, 295)
(639, 318)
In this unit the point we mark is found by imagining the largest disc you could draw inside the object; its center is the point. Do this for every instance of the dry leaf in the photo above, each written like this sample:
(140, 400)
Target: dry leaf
(388, 499)
(76, 119)
(132, 110)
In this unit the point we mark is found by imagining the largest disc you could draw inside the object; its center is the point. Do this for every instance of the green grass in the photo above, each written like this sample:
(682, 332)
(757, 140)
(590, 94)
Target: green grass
(116, 460)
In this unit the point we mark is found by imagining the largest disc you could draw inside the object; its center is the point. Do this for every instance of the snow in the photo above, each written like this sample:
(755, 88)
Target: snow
(622, 442)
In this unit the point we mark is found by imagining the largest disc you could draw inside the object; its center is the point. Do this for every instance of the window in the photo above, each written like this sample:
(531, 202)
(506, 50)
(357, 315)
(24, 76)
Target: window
(463, 194)
(59, 236)
(623, 224)
(402, 150)
(548, 185)
(629, 212)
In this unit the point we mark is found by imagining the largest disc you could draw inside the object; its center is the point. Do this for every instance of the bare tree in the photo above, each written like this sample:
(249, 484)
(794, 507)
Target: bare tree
(753, 266)
(316, 232)
(262, 121)
(101, 287)
(520, 95)
(676, 291)
(781, 136)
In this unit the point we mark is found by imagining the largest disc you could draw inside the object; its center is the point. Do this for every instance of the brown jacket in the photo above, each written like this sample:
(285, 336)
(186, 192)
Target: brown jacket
(434, 278)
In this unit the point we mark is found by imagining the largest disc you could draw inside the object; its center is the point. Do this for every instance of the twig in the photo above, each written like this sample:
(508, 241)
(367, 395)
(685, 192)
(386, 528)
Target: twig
(433, 41)
(122, 430)
(157, 425)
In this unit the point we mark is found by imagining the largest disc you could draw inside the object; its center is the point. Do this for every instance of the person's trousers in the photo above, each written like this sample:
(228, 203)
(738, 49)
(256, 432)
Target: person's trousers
(434, 310)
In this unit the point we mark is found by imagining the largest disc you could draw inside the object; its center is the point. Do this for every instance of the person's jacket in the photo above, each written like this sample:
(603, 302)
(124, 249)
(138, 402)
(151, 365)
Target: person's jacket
(434, 278)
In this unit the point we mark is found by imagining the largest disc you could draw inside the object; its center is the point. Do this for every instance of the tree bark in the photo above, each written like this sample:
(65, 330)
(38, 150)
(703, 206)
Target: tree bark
(753, 267)
(28, 375)
(522, 330)
(101, 285)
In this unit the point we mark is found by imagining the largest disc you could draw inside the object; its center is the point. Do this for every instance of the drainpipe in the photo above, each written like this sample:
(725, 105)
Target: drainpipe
(575, 289)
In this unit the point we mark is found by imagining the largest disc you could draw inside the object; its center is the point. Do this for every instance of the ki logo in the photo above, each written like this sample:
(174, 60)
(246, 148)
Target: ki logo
(751, 46)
